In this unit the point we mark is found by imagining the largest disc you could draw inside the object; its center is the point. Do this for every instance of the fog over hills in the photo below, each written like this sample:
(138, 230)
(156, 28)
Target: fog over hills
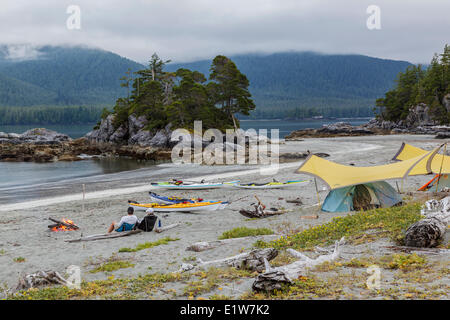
(75, 75)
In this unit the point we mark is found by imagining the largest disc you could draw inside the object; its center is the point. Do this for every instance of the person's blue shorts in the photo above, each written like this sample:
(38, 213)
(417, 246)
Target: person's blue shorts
(125, 227)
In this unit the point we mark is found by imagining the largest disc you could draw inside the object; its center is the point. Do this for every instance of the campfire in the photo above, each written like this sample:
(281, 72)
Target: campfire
(62, 225)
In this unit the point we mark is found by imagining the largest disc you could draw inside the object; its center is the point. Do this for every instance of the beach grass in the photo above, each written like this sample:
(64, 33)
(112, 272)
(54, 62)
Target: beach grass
(19, 259)
(148, 245)
(245, 232)
(387, 222)
(113, 266)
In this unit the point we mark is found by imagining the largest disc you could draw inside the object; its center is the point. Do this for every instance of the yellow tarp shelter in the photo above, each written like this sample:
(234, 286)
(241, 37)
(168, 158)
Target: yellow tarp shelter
(336, 175)
(439, 164)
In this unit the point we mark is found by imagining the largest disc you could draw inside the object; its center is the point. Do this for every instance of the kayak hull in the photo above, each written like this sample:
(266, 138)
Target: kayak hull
(192, 186)
(272, 185)
(199, 206)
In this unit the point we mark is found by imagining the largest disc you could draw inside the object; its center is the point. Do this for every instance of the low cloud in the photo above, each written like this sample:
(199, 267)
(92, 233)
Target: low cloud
(411, 30)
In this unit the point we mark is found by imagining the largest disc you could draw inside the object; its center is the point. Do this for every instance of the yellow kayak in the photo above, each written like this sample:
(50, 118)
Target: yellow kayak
(182, 207)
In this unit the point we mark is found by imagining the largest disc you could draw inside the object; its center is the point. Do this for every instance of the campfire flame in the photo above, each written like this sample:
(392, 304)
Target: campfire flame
(62, 227)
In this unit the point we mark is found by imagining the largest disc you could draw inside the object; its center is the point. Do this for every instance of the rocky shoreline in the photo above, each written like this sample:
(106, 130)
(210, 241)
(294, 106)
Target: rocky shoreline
(418, 121)
(133, 140)
(43, 145)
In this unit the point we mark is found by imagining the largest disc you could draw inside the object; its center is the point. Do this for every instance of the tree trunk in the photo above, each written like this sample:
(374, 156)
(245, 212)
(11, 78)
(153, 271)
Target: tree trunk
(170, 226)
(234, 122)
(275, 278)
(106, 236)
(203, 245)
(428, 232)
(253, 260)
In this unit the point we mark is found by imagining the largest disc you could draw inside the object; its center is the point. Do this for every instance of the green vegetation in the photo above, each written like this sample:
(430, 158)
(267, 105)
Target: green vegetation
(40, 115)
(407, 262)
(147, 245)
(63, 76)
(390, 221)
(113, 266)
(283, 85)
(307, 84)
(245, 232)
(142, 286)
(206, 281)
(184, 96)
(19, 259)
(417, 85)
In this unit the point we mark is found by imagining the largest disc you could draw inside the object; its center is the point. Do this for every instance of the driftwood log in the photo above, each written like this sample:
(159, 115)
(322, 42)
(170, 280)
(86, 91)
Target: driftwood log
(297, 201)
(428, 232)
(62, 223)
(40, 278)
(253, 260)
(106, 236)
(204, 245)
(168, 227)
(276, 278)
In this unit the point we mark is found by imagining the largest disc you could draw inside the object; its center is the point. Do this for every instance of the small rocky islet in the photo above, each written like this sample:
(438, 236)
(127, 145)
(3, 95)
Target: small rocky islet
(132, 140)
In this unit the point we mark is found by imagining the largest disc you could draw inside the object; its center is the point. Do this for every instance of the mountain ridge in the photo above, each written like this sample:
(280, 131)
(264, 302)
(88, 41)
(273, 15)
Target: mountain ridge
(279, 82)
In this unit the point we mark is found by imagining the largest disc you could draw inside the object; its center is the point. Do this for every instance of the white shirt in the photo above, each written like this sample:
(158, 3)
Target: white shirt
(128, 219)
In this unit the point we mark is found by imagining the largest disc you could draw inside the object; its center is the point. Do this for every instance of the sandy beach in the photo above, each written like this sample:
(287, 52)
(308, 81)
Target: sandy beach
(24, 231)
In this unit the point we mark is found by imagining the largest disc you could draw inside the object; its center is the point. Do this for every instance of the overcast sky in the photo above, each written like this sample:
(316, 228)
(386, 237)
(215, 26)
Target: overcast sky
(184, 30)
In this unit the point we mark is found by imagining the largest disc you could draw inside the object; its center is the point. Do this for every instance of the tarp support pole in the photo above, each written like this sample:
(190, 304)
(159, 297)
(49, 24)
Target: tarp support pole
(440, 169)
(317, 191)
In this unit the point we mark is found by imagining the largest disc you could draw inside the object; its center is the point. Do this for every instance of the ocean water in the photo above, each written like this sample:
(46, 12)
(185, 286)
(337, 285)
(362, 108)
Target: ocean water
(284, 126)
(29, 181)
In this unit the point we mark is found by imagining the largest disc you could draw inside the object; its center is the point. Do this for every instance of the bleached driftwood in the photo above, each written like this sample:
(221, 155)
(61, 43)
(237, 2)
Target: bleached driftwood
(204, 245)
(428, 232)
(170, 226)
(275, 278)
(253, 260)
(106, 236)
(40, 278)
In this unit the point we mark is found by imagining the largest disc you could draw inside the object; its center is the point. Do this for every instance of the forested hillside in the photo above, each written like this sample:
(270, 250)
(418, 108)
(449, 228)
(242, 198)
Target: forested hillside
(417, 85)
(63, 76)
(305, 84)
(283, 85)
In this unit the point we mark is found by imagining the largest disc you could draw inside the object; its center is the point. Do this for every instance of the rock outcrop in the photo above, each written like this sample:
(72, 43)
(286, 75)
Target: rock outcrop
(418, 121)
(333, 130)
(43, 145)
(34, 136)
(132, 132)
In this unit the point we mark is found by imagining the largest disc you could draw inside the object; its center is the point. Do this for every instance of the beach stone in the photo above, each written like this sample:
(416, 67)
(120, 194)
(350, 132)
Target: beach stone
(443, 135)
(68, 157)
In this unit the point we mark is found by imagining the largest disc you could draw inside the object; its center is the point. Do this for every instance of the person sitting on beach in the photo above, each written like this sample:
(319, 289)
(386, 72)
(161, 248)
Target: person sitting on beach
(148, 222)
(126, 223)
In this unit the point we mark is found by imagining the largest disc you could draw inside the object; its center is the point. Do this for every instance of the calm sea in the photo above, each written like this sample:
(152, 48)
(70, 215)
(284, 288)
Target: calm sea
(284, 126)
(29, 181)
